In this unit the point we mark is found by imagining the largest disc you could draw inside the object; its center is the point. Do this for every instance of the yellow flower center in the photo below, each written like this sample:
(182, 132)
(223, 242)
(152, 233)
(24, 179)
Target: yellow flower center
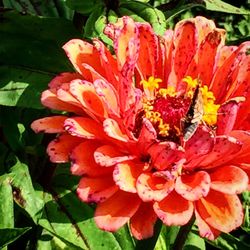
(166, 108)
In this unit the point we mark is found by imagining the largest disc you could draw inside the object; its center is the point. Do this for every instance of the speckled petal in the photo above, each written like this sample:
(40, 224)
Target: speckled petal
(115, 212)
(193, 186)
(229, 180)
(141, 228)
(96, 189)
(222, 211)
(53, 124)
(174, 210)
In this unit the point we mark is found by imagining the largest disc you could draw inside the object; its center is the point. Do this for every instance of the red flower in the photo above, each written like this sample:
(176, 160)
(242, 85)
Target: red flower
(157, 129)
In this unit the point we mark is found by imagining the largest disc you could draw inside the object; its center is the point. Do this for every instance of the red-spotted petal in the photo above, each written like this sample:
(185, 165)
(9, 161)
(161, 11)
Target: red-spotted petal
(60, 148)
(140, 227)
(96, 189)
(206, 230)
(125, 175)
(229, 180)
(153, 188)
(193, 186)
(83, 163)
(222, 211)
(115, 211)
(53, 124)
(164, 154)
(108, 155)
(174, 210)
(84, 127)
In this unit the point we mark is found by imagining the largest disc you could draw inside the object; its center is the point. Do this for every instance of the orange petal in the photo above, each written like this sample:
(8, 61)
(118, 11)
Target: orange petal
(225, 149)
(112, 129)
(83, 162)
(205, 230)
(96, 189)
(142, 223)
(229, 180)
(185, 46)
(62, 78)
(125, 175)
(153, 188)
(222, 211)
(116, 211)
(174, 210)
(53, 124)
(227, 114)
(193, 186)
(86, 94)
(224, 53)
(79, 52)
(49, 99)
(84, 127)
(108, 155)
(60, 148)
(164, 154)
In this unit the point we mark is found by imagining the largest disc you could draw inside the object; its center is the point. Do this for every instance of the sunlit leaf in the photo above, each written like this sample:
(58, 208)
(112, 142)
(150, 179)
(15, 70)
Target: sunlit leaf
(83, 7)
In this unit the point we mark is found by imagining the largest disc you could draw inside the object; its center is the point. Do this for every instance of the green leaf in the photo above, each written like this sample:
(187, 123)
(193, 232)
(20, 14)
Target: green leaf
(6, 203)
(23, 191)
(48, 8)
(30, 55)
(83, 7)
(194, 242)
(124, 238)
(228, 242)
(8, 235)
(69, 219)
(146, 12)
(246, 204)
(218, 5)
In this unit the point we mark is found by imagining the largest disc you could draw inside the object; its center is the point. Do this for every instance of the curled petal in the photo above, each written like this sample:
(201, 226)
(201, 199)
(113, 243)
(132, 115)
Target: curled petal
(225, 149)
(229, 180)
(206, 230)
(108, 155)
(153, 188)
(53, 124)
(221, 211)
(60, 148)
(193, 186)
(113, 213)
(174, 210)
(125, 175)
(112, 129)
(164, 154)
(96, 189)
(83, 163)
(141, 228)
(84, 127)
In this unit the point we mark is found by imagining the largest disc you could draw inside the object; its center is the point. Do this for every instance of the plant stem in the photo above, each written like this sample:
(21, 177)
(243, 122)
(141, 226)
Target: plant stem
(149, 244)
(182, 235)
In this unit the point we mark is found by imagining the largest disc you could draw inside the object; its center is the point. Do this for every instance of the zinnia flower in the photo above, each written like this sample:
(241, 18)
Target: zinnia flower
(156, 129)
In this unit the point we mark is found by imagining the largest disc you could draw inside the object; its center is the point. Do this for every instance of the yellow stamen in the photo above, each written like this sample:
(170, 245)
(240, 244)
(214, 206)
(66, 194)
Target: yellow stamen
(170, 91)
(191, 83)
(151, 84)
(164, 129)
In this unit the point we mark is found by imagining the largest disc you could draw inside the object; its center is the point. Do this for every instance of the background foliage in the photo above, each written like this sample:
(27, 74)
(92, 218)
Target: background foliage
(38, 206)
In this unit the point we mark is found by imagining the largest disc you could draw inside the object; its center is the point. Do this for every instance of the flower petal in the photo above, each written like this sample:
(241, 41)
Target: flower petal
(206, 230)
(108, 155)
(222, 211)
(125, 175)
(193, 186)
(164, 154)
(60, 148)
(83, 163)
(96, 189)
(116, 211)
(153, 188)
(53, 124)
(225, 149)
(140, 227)
(84, 127)
(174, 210)
(229, 180)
